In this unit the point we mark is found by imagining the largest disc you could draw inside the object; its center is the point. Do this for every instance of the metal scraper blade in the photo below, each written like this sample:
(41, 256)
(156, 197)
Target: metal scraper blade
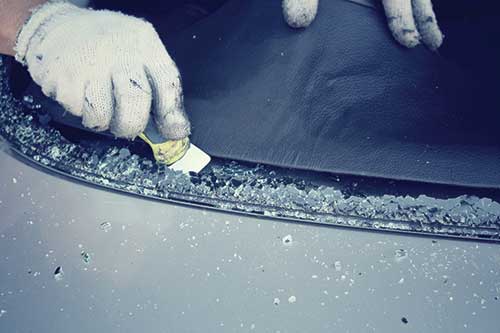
(194, 160)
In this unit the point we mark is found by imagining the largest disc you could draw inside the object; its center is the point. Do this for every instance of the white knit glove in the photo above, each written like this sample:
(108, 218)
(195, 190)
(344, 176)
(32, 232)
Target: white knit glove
(299, 13)
(106, 67)
(410, 21)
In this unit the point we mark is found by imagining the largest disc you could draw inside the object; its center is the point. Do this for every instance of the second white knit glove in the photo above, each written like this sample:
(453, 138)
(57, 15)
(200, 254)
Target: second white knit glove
(410, 21)
(106, 67)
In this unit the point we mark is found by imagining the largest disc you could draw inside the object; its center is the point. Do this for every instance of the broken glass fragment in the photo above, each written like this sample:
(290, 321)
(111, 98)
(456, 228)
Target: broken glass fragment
(105, 226)
(400, 255)
(287, 240)
(85, 257)
(338, 266)
(58, 274)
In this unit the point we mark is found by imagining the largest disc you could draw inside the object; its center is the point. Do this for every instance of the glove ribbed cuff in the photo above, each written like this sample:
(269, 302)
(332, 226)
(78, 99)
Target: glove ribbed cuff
(39, 16)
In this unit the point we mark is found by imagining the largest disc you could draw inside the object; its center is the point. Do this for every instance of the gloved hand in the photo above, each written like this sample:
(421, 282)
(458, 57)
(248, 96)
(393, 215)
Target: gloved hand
(410, 21)
(299, 13)
(106, 67)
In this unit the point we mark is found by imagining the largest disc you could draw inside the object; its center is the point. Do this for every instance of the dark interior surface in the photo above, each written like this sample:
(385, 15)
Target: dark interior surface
(342, 96)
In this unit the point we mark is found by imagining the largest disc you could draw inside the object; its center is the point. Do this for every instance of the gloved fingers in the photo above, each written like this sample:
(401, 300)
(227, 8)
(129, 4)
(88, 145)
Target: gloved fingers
(427, 23)
(299, 13)
(168, 103)
(98, 104)
(68, 92)
(401, 21)
(49, 88)
(132, 102)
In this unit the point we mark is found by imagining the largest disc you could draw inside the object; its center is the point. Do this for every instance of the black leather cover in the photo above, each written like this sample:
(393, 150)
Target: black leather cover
(341, 96)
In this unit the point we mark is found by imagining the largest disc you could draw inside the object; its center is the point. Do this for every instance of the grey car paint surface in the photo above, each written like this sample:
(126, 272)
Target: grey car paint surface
(157, 267)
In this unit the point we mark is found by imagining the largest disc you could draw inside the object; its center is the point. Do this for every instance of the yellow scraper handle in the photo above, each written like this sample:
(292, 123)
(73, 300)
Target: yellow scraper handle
(167, 152)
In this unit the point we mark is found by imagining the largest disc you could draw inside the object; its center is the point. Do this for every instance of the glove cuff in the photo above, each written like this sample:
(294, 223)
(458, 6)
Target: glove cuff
(40, 15)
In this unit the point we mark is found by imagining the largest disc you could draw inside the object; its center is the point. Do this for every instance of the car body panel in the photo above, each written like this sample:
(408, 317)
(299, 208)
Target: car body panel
(160, 267)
